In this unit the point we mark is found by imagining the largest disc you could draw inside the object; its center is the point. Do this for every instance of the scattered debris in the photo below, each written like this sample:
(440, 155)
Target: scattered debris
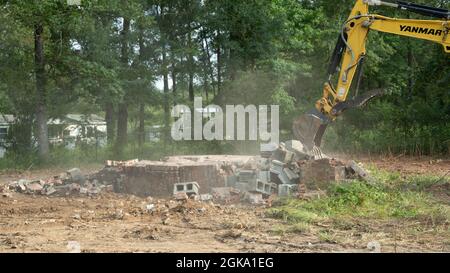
(280, 169)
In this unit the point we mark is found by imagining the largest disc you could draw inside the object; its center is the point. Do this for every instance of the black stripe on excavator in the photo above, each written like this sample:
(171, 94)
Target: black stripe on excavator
(337, 55)
(424, 10)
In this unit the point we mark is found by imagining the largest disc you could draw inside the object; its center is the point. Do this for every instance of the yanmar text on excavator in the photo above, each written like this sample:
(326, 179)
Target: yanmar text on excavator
(348, 57)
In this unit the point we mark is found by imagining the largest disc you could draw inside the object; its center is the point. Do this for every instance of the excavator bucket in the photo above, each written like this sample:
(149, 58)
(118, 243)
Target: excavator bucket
(310, 127)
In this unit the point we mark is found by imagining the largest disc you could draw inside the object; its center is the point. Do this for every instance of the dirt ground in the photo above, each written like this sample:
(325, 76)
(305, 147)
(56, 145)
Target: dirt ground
(121, 223)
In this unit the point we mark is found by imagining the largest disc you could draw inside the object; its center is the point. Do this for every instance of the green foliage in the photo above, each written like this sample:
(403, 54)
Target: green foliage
(392, 198)
(232, 52)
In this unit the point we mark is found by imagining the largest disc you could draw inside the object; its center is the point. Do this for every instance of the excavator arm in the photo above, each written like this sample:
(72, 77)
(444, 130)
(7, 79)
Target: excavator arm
(349, 55)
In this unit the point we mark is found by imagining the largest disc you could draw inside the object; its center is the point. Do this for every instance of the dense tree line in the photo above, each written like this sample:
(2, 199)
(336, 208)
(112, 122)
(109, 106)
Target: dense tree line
(106, 56)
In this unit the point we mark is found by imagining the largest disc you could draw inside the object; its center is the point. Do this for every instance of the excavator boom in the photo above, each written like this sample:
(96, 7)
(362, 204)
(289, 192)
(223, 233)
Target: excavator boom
(349, 55)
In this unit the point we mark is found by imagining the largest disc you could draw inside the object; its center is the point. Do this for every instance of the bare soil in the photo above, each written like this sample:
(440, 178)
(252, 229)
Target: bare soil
(121, 223)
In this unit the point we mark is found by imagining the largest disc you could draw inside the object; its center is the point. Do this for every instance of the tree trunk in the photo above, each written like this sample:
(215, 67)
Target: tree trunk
(166, 95)
(210, 68)
(410, 72)
(191, 68)
(41, 80)
(122, 119)
(110, 123)
(122, 128)
(174, 81)
(219, 70)
(141, 124)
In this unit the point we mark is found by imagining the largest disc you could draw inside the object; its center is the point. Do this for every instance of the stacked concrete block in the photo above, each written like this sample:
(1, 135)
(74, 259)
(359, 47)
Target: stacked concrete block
(276, 166)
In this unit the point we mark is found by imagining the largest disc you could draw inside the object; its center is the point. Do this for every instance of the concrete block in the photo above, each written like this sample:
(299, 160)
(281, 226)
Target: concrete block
(291, 174)
(254, 198)
(231, 181)
(284, 178)
(276, 166)
(242, 186)
(298, 148)
(262, 187)
(246, 176)
(360, 171)
(286, 189)
(190, 188)
(264, 176)
(288, 157)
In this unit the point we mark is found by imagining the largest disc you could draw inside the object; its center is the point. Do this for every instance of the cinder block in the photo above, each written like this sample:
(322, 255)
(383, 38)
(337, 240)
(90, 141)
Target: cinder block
(286, 189)
(264, 176)
(262, 187)
(190, 188)
(291, 175)
(246, 176)
(276, 166)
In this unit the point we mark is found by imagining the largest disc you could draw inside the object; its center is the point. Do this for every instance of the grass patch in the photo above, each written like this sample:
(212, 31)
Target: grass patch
(389, 199)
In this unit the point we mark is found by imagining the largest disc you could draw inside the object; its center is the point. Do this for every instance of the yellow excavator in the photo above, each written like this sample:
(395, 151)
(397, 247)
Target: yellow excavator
(348, 57)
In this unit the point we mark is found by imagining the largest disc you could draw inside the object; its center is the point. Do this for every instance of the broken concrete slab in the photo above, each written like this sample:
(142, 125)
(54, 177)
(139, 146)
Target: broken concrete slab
(291, 175)
(277, 166)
